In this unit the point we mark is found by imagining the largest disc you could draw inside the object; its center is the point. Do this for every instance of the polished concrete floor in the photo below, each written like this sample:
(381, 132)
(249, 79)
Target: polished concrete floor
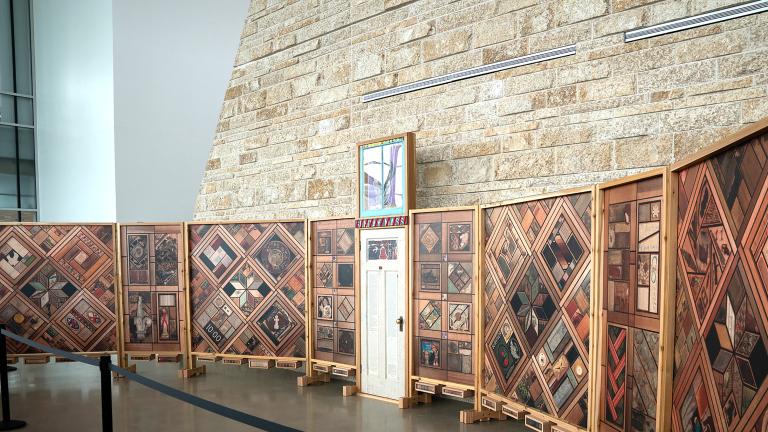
(65, 397)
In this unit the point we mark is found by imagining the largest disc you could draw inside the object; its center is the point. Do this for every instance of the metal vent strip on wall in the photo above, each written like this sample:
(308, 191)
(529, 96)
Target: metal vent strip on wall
(741, 10)
(473, 72)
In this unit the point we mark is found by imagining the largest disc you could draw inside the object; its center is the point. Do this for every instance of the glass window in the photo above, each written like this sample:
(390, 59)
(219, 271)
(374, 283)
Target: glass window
(18, 171)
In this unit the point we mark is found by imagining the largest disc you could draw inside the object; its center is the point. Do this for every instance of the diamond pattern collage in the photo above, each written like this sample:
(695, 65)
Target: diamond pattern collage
(333, 289)
(152, 260)
(631, 236)
(537, 304)
(247, 288)
(721, 331)
(57, 286)
(443, 296)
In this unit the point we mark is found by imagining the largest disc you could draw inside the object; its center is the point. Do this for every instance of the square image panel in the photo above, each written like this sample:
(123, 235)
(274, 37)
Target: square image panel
(325, 307)
(459, 237)
(345, 275)
(459, 278)
(459, 357)
(430, 276)
(459, 317)
(324, 339)
(429, 353)
(346, 342)
(324, 242)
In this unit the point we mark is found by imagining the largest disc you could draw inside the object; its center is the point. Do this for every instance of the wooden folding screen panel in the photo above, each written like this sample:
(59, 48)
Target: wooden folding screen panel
(443, 289)
(247, 289)
(334, 284)
(57, 286)
(721, 333)
(152, 281)
(633, 218)
(536, 307)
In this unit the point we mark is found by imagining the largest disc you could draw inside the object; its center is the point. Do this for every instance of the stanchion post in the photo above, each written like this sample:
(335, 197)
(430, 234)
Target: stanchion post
(7, 423)
(106, 393)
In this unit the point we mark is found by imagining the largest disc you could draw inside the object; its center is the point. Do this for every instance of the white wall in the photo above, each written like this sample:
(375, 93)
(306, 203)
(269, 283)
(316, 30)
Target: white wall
(173, 60)
(74, 103)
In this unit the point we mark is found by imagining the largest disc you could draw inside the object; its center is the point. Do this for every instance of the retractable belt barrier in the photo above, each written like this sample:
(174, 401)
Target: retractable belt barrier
(105, 365)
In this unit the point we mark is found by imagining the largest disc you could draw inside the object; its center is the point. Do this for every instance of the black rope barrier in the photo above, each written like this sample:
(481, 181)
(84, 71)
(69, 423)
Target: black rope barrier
(105, 365)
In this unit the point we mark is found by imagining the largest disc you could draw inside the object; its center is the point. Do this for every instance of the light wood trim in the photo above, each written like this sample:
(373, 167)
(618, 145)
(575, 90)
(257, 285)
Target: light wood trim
(358, 322)
(443, 383)
(555, 194)
(479, 344)
(410, 171)
(246, 356)
(668, 301)
(308, 298)
(632, 179)
(189, 360)
(736, 138)
(122, 360)
(52, 223)
(596, 313)
(408, 354)
(129, 224)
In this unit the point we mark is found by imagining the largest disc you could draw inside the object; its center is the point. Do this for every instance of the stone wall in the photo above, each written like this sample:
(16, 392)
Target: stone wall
(293, 110)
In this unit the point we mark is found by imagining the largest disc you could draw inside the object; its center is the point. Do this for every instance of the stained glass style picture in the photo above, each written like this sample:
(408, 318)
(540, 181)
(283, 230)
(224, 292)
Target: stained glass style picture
(383, 176)
(443, 296)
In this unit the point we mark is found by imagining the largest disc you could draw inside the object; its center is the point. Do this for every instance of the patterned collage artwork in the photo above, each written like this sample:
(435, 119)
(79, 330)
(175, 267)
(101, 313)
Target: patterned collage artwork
(247, 288)
(333, 286)
(721, 339)
(631, 238)
(152, 264)
(57, 286)
(536, 307)
(443, 292)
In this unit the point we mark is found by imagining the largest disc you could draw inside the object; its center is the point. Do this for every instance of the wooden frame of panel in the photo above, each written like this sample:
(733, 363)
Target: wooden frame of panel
(407, 337)
(476, 310)
(409, 200)
(193, 356)
(482, 411)
(118, 292)
(124, 358)
(742, 136)
(666, 319)
(311, 309)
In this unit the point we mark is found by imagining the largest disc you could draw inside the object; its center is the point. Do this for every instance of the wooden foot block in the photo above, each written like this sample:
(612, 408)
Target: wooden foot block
(189, 373)
(131, 368)
(472, 416)
(142, 357)
(37, 359)
(169, 358)
(233, 361)
(261, 363)
(288, 364)
(418, 398)
(349, 390)
(306, 380)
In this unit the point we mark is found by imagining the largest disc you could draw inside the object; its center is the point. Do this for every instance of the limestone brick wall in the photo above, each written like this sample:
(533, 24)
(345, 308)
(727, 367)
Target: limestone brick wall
(293, 109)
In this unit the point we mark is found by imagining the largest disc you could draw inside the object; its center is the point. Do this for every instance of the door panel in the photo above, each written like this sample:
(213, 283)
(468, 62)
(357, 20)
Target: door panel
(383, 302)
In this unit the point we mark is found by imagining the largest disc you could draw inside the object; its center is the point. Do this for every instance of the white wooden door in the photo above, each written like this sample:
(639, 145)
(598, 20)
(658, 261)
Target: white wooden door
(382, 300)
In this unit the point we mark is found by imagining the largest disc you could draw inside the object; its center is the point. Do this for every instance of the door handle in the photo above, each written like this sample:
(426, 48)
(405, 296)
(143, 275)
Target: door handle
(399, 322)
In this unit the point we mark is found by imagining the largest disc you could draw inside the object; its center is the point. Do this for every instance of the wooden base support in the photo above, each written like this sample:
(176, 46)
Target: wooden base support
(288, 364)
(349, 390)
(142, 357)
(261, 363)
(173, 358)
(41, 359)
(306, 380)
(193, 372)
(62, 360)
(207, 359)
(418, 398)
(472, 416)
(131, 368)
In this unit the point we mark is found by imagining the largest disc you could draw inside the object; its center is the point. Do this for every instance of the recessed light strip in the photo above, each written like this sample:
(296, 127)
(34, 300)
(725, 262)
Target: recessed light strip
(473, 72)
(741, 10)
